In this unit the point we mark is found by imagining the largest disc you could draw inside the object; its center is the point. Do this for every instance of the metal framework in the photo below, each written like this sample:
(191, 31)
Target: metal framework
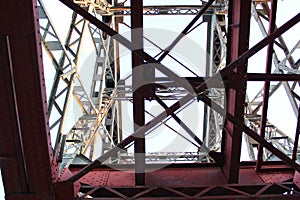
(71, 143)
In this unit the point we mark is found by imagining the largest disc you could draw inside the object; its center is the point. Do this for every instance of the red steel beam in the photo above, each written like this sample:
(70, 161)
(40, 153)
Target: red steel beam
(196, 81)
(11, 152)
(272, 77)
(23, 111)
(138, 83)
(262, 191)
(263, 120)
(238, 42)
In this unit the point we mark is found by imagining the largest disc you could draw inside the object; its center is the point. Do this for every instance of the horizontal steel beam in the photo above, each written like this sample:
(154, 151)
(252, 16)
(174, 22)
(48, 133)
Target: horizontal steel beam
(230, 191)
(272, 77)
(164, 10)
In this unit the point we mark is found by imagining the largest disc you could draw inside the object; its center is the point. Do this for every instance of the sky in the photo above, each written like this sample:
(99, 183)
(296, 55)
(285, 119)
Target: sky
(279, 115)
(1, 189)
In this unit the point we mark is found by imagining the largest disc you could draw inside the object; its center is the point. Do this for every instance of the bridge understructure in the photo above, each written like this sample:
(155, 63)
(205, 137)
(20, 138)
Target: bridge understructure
(107, 103)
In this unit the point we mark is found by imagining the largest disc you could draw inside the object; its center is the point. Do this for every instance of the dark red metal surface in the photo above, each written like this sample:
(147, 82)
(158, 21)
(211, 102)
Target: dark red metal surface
(272, 77)
(269, 191)
(238, 42)
(177, 176)
(296, 179)
(199, 183)
(25, 143)
(138, 88)
(12, 161)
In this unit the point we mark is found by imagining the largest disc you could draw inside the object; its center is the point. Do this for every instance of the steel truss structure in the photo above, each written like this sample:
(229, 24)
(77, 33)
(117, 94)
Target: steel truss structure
(70, 142)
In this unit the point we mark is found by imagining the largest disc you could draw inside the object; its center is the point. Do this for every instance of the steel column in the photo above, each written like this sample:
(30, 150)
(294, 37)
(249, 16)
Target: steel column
(266, 92)
(12, 161)
(138, 87)
(21, 64)
(238, 42)
(297, 133)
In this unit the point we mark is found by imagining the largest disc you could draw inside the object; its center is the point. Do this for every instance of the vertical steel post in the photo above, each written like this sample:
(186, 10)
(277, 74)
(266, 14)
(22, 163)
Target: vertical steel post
(137, 83)
(295, 149)
(23, 118)
(238, 42)
(208, 72)
(265, 104)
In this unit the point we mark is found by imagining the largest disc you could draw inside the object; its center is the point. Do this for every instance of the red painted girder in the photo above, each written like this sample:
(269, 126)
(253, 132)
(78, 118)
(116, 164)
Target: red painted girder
(230, 191)
(266, 92)
(238, 43)
(296, 179)
(11, 152)
(177, 176)
(26, 143)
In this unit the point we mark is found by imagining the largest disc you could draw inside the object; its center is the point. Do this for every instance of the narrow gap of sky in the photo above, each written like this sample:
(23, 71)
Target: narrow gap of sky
(2, 197)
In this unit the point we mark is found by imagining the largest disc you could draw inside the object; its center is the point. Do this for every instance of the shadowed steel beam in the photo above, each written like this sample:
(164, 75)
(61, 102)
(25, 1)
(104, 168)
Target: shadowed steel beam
(13, 166)
(138, 83)
(295, 148)
(266, 92)
(272, 77)
(23, 117)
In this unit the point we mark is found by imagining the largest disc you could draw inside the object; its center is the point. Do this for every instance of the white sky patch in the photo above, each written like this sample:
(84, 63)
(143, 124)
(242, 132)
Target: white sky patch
(2, 196)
